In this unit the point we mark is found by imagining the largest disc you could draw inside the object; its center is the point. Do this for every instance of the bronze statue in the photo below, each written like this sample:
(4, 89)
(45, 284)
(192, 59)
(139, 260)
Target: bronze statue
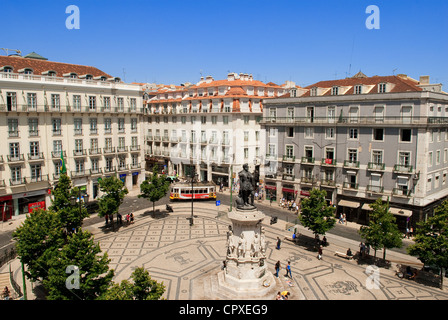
(247, 188)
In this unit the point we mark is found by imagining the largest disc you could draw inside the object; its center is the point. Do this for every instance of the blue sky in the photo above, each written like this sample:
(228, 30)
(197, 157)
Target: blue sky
(175, 41)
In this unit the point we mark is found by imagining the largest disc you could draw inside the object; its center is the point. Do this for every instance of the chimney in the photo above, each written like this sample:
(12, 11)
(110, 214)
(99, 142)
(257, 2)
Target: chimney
(208, 79)
(424, 79)
(231, 76)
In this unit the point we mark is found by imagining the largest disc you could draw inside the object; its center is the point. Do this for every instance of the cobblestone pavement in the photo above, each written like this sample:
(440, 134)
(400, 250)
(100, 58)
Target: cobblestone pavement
(187, 260)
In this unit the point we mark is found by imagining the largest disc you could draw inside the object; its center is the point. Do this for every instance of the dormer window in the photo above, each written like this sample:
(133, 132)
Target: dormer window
(101, 78)
(71, 75)
(313, 92)
(26, 71)
(7, 69)
(49, 73)
(358, 89)
(382, 88)
(293, 93)
(86, 76)
(335, 91)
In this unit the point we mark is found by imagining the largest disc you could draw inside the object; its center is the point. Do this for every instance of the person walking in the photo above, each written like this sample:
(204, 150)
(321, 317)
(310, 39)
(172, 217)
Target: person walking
(132, 217)
(288, 270)
(277, 268)
(278, 243)
(319, 255)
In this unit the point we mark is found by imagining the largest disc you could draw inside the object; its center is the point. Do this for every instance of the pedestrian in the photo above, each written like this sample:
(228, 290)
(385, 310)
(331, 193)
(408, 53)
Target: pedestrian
(288, 270)
(344, 218)
(120, 218)
(132, 217)
(127, 218)
(279, 296)
(324, 241)
(277, 268)
(270, 199)
(285, 294)
(107, 218)
(319, 255)
(278, 243)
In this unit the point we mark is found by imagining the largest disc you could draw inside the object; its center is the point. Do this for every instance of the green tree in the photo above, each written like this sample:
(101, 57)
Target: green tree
(431, 240)
(114, 193)
(39, 238)
(92, 278)
(142, 287)
(154, 188)
(316, 214)
(71, 217)
(382, 230)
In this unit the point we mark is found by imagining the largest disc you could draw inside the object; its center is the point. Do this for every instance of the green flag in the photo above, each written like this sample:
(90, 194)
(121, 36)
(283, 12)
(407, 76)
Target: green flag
(63, 168)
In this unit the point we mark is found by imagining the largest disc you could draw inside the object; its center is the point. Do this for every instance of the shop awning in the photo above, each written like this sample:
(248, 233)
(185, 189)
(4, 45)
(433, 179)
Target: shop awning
(289, 190)
(270, 187)
(400, 212)
(350, 204)
(37, 185)
(366, 206)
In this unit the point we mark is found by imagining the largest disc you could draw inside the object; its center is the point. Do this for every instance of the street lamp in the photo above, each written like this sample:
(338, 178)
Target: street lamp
(193, 175)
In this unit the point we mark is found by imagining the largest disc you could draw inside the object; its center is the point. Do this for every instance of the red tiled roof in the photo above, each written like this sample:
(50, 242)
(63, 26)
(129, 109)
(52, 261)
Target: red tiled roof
(40, 66)
(401, 84)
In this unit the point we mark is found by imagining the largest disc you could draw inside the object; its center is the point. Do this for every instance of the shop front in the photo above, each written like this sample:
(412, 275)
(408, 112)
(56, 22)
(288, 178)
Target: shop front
(289, 193)
(6, 207)
(271, 191)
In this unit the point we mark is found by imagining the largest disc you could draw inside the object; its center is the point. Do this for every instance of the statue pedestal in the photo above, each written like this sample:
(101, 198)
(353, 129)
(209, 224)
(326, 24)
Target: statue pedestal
(246, 273)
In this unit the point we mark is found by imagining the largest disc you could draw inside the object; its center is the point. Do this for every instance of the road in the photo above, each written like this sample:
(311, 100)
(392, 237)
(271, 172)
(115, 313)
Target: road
(133, 203)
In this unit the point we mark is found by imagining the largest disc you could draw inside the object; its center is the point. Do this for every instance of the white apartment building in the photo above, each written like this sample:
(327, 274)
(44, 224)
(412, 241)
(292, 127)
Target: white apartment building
(211, 127)
(50, 108)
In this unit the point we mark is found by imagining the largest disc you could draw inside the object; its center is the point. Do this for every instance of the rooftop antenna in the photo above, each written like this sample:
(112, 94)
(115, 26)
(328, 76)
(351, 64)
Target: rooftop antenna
(393, 71)
(124, 75)
(15, 50)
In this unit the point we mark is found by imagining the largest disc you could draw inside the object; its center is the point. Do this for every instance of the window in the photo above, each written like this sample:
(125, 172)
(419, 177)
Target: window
(378, 134)
(55, 102)
(377, 156)
(246, 153)
(225, 120)
(36, 172)
(14, 151)
(430, 159)
(93, 125)
(226, 106)
(257, 135)
(331, 114)
(121, 125)
(353, 133)
(289, 151)
(16, 175)
(78, 145)
(358, 89)
(13, 127)
(382, 88)
(94, 144)
(308, 152)
(31, 99)
(203, 120)
(335, 91)
(378, 113)
(79, 166)
(246, 119)
(34, 148)
(310, 114)
(429, 183)
(77, 126)
(404, 158)
(436, 181)
(133, 103)
(33, 126)
(92, 103)
(289, 132)
(353, 114)
(313, 92)
(57, 146)
(329, 155)
(56, 126)
(133, 125)
(272, 150)
(107, 125)
(77, 102)
(330, 133)
(352, 155)
(437, 157)
(273, 113)
(214, 119)
(106, 102)
(309, 132)
(120, 104)
(405, 135)
(11, 101)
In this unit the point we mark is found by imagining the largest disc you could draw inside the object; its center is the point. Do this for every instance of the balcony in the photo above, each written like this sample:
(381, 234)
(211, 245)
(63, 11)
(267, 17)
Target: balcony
(36, 156)
(375, 189)
(79, 173)
(270, 175)
(149, 137)
(109, 150)
(80, 153)
(328, 162)
(134, 148)
(13, 133)
(399, 192)
(174, 139)
(135, 166)
(57, 154)
(350, 186)
(328, 183)
(287, 158)
(95, 171)
(401, 168)
(122, 149)
(225, 142)
(36, 179)
(17, 182)
(288, 177)
(307, 160)
(351, 164)
(33, 133)
(271, 156)
(95, 151)
(373, 166)
(109, 169)
(157, 138)
(123, 167)
(213, 140)
(15, 158)
(307, 180)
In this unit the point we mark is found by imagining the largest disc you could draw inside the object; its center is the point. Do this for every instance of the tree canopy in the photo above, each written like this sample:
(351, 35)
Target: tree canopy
(154, 188)
(316, 214)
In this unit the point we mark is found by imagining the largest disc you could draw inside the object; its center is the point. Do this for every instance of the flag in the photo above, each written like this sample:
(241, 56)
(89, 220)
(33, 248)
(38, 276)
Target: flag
(63, 168)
